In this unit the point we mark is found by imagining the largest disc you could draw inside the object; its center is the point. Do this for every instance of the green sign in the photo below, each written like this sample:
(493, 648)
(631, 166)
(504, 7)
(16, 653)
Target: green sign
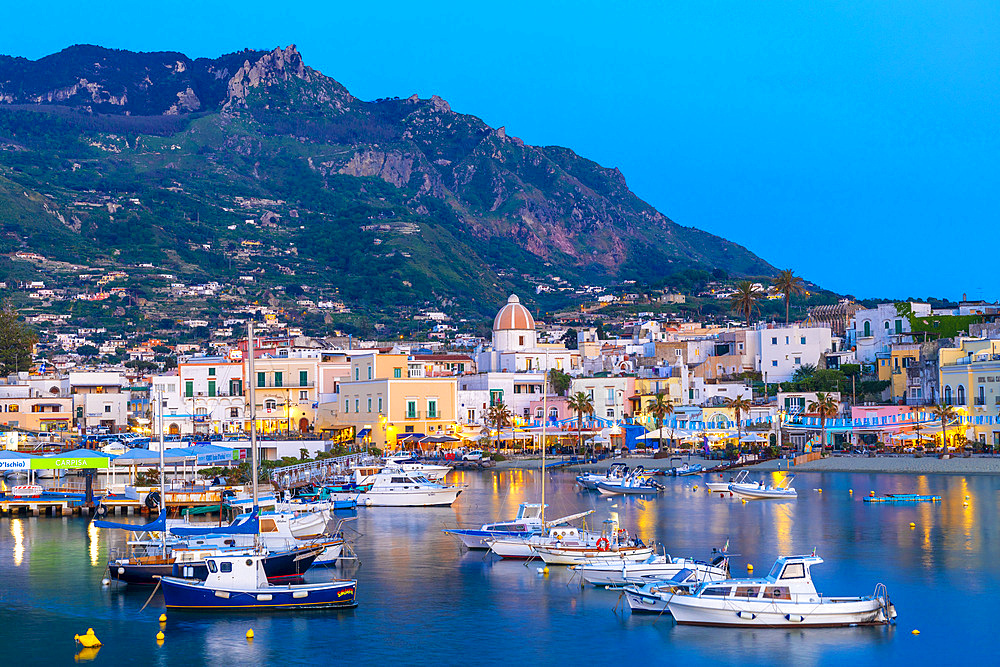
(70, 462)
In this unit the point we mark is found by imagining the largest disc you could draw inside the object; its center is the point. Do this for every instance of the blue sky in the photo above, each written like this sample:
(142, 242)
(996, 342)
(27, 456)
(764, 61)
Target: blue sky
(854, 142)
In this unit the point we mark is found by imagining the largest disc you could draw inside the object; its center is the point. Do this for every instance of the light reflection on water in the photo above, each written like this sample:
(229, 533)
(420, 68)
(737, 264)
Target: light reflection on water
(423, 600)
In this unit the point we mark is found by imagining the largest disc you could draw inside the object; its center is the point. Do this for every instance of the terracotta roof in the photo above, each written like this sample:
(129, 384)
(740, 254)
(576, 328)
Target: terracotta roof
(513, 316)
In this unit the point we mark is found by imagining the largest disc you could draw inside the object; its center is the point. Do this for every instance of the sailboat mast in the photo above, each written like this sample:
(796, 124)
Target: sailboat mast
(253, 411)
(163, 486)
(545, 419)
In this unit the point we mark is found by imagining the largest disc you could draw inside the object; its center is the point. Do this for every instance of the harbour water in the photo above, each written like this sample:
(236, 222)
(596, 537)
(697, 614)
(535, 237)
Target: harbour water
(426, 601)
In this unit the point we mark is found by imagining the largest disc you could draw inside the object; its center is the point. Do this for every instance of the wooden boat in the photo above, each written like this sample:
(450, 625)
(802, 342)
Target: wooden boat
(240, 583)
(613, 546)
(786, 597)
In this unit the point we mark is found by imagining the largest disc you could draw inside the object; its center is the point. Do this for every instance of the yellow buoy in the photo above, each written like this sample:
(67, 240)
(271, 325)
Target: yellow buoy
(912, 525)
(915, 632)
(749, 567)
(851, 491)
(159, 636)
(88, 640)
(250, 633)
(820, 490)
(545, 570)
(695, 487)
(163, 618)
(871, 494)
(744, 501)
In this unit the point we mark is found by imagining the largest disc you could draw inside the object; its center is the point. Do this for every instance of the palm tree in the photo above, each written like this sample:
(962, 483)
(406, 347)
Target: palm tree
(945, 413)
(745, 299)
(789, 284)
(498, 416)
(582, 404)
(660, 407)
(738, 405)
(825, 406)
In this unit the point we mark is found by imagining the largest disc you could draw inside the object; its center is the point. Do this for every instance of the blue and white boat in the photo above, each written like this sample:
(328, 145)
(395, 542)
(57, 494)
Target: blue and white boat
(615, 473)
(636, 482)
(528, 522)
(239, 583)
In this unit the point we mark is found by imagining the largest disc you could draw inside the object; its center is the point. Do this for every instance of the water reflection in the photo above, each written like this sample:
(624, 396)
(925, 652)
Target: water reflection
(17, 532)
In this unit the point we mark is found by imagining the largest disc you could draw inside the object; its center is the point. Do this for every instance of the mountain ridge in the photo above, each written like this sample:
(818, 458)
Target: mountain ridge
(269, 126)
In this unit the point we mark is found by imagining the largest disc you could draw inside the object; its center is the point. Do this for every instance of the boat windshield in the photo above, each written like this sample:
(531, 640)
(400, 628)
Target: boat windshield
(775, 570)
(683, 575)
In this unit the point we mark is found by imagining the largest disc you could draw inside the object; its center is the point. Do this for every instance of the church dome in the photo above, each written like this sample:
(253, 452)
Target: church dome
(513, 316)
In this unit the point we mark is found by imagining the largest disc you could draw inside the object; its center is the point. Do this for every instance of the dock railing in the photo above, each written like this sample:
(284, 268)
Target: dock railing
(317, 472)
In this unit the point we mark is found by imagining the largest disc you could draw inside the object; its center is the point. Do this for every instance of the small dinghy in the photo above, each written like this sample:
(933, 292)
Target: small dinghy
(757, 491)
(615, 473)
(239, 583)
(742, 477)
(786, 597)
(635, 483)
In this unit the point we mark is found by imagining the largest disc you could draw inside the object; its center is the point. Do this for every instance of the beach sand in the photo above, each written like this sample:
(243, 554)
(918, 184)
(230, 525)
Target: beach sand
(976, 465)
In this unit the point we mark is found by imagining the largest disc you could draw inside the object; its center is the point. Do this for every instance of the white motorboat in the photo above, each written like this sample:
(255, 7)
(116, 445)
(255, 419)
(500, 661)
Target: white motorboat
(528, 522)
(613, 546)
(654, 568)
(408, 464)
(396, 488)
(742, 477)
(615, 473)
(757, 491)
(558, 530)
(636, 482)
(651, 597)
(786, 597)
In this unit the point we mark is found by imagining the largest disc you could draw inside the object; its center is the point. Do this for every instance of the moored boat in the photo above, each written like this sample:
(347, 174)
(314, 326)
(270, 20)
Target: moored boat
(654, 568)
(240, 583)
(396, 488)
(528, 522)
(786, 597)
(758, 491)
(742, 477)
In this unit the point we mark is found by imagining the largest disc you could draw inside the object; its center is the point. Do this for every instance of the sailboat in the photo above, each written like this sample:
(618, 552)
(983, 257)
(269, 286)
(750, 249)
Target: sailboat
(240, 582)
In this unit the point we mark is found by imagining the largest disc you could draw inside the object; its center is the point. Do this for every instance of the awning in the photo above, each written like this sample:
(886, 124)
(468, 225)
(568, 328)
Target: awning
(139, 456)
(158, 525)
(363, 433)
(251, 526)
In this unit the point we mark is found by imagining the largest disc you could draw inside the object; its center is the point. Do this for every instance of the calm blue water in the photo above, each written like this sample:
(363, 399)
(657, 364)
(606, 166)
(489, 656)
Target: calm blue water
(424, 601)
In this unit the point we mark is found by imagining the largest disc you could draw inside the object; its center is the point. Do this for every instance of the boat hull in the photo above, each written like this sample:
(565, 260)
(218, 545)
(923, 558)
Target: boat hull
(731, 612)
(617, 489)
(642, 603)
(188, 594)
(758, 493)
(417, 498)
(480, 539)
(512, 549)
(617, 574)
(576, 556)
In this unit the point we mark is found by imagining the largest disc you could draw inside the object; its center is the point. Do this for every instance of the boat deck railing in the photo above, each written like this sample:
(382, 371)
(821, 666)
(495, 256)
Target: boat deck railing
(314, 472)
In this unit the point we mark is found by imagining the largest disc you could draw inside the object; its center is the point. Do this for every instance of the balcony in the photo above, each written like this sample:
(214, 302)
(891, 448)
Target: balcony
(412, 414)
(979, 400)
(286, 385)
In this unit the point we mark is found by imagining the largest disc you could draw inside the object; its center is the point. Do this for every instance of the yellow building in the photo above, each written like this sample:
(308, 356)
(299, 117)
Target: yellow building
(285, 393)
(970, 379)
(646, 390)
(38, 413)
(892, 367)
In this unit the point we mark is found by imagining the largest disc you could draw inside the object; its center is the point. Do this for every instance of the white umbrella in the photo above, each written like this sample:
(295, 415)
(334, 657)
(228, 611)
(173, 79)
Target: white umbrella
(752, 437)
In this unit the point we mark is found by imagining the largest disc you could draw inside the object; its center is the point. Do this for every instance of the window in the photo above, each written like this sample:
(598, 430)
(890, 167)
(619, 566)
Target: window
(432, 408)
(411, 409)
(539, 413)
(774, 362)
(225, 566)
(261, 379)
(886, 323)
(211, 372)
(868, 328)
(347, 405)
(380, 404)
(234, 412)
(553, 413)
(270, 404)
(357, 405)
(794, 571)
(803, 340)
(947, 394)
(798, 360)
(590, 394)
(899, 326)
(278, 381)
(369, 372)
(357, 374)
(304, 378)
(774, 340)
(188, 388)
(472, 416)
(212, 567)
(369, 405)
(610, 394)
(304, 395)
(961, 395)
(786, 340)
(211, 387)
(611, 413)
(107, 408)
(721, 591)
(496, 396)
(397, 373)
(520, 340)
(235, 387)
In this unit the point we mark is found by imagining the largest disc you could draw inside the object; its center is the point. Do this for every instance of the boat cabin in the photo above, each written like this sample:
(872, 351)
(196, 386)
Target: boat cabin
(236, 572)
(789, 577)
(529, 518)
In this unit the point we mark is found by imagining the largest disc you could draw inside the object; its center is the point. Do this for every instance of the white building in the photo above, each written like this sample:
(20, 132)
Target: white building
(874, 330)
(515, 346)
(609, 394)
(785, 349)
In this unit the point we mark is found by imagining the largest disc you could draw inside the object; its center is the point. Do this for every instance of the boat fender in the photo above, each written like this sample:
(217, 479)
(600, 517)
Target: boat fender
(152, 500)
(794, 618)
(749, 615)
(101, 510)
(603, 544)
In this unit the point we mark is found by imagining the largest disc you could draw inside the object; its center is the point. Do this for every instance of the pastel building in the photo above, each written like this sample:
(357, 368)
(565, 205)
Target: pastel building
(783, 350)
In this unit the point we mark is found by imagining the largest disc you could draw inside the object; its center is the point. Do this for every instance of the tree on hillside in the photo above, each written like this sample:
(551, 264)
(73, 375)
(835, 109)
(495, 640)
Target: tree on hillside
(569, 339)
(559, 381)
(16, 341)
(87, 351)
(581, 404)
(746, 299)
(789, 285)
(660, 407)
